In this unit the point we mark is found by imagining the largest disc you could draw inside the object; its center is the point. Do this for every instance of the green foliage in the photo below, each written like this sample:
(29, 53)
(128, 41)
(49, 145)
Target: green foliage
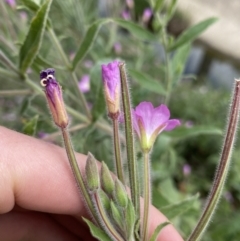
(97, 232)
(78, 29)
(190, 34)
(174, 210)
(33, 40)
(157, 231)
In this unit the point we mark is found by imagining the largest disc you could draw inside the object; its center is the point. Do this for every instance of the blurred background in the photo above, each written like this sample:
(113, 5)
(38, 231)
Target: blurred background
(170, 59)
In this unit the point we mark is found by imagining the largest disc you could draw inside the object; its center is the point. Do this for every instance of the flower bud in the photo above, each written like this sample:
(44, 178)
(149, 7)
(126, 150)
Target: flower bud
(91, 171)
(120, 194)
(55, 101)
(106, 180)
(116, 215)
(111, 80)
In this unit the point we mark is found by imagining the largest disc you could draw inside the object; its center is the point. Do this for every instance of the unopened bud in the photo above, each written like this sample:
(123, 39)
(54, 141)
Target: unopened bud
(111, 81)
(120, 194)
(116, 215)
(104, 199)
(55, 101)
(107, 180)
(92, 176)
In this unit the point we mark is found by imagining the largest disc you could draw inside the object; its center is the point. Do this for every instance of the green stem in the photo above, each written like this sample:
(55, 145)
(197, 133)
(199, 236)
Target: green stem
(15, 92)
(75, 80)
(77, 173)
(117, 150)
(132, 165)
(106, 223)
(59, 47)
(167, 63)
(223, 167)
(146, 195)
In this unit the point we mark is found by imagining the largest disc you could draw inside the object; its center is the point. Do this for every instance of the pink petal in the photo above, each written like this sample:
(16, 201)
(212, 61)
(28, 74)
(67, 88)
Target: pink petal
(145, 110)
(160, 115)
(171, 124)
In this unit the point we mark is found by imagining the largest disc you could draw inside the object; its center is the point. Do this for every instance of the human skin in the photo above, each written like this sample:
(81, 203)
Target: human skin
(39, 198)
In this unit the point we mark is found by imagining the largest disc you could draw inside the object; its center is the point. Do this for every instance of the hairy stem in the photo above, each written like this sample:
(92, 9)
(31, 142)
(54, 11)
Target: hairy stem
(77, 173)
(223, 167)
(106, 223)
(132, 165)
(146, 195)
(117, 150)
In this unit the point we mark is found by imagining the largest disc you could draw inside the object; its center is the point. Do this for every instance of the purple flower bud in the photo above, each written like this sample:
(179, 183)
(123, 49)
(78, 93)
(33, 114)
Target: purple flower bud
(149, 122)
(130, 3)
(117, 48)
(53, 93)
(126, 15)
(186, 170)
(147, 14)
(111, 81)
(11, 3)
(84, 83)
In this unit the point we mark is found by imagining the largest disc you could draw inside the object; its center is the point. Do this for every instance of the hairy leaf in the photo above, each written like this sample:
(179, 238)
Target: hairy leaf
(33, 40)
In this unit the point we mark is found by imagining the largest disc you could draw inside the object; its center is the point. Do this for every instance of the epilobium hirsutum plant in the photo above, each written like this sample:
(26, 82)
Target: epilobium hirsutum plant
(115, 211)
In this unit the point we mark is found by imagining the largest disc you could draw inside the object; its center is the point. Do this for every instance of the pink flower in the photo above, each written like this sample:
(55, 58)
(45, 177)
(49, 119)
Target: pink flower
(147, 14)
(186, 170)
(11, 3)
(149, 122)
(126, 15)
(111, 81)
(84, 83)
(130, 3)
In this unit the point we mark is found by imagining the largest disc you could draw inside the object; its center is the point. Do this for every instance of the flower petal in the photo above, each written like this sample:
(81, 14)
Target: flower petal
(171, 124)
(160, 116)
(145, 110)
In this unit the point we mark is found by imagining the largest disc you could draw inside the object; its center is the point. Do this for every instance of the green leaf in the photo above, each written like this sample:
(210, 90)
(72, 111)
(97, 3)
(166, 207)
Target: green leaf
(135, 29)
(171, 9)
(158, 5)
(184, 132)
(179, 61)
(157, 231)
(192, 33)
(176, 209)
(93, 30)
(33, 40)
(147, 82)
(30, 4)
(30, 126)
(97, 232)
(88, 40)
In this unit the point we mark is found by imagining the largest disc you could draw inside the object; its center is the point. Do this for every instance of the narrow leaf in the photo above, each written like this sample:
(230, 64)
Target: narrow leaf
(135, 29)
(184, 132)
(30, 4)
(88, 40)
(147, 82)
(157, 231)
(159, 5)
(96, 232)
(192, 33)
(171, 9)
(33, 40)
(179, 61)
(176, 209)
